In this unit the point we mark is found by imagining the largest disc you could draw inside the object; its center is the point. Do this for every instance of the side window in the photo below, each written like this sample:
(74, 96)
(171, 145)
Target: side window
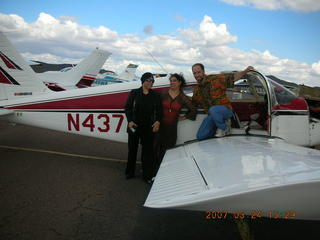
(188, 90)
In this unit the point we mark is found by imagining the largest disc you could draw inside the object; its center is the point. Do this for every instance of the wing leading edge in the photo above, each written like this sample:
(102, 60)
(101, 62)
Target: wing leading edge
(239, 173)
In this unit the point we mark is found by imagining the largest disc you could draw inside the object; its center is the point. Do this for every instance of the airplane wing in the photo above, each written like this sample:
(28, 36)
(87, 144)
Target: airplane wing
(239, 174)
(4, 112)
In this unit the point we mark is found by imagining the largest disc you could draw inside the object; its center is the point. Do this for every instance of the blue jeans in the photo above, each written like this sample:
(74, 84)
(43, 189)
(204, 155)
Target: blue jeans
(216, 119)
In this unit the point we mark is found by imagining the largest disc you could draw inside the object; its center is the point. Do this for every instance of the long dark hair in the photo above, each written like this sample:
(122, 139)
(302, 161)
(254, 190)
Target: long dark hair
(179, 77)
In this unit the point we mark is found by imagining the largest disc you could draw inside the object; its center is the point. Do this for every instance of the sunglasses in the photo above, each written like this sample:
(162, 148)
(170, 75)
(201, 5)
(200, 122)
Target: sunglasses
(150, 80)
(174, 80)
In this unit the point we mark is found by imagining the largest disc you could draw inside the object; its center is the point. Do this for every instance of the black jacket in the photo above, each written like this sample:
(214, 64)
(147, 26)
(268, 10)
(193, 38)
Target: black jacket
(142, 109)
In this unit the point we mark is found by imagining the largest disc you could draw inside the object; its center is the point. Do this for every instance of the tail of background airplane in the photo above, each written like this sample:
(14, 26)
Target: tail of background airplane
(91, 65)
(128, 73)
(80, 76)
(17, 79)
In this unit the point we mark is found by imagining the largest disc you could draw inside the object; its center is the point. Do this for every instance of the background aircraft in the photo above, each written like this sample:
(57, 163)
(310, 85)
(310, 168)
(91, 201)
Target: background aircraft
(80, 76)
(109, 78)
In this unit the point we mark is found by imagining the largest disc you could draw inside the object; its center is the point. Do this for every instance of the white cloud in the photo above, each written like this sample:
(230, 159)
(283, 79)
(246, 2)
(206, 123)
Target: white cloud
(69, 18)
(316, 68)
(208, 33)
(293, 5)
(56, 40)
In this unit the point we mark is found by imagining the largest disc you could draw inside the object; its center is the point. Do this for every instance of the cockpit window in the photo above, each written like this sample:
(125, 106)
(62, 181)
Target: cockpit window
(282, 94)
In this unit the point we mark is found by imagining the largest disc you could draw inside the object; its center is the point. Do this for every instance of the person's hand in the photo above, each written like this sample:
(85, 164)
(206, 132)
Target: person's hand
(248, 69)
(240, 75)
(155, 126)
(132, 125)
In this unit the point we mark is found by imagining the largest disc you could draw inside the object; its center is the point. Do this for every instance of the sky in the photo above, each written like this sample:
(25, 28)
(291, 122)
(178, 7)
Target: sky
(277, 37)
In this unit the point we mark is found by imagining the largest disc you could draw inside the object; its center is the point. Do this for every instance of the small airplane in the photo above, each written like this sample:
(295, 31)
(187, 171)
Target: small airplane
(80, 76)
(126, 76)
(259, 169)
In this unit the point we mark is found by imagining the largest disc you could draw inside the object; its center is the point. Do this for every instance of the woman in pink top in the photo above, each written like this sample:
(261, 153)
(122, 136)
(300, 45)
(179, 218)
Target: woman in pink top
(173, 99)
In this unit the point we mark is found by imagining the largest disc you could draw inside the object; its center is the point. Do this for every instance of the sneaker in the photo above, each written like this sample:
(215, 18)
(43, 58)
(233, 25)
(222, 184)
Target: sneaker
(220, 133)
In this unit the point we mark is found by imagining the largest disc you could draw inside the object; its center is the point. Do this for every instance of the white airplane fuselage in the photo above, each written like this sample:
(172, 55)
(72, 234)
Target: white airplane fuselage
(96, 111)
(99, 112)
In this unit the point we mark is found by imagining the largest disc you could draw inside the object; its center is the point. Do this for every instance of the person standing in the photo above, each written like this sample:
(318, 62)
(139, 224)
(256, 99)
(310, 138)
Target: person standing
(211, 94)
(173, 99)
(143, 111)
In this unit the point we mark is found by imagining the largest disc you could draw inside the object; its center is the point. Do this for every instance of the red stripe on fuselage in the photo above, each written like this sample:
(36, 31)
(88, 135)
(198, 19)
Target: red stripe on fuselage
(296, 104)
(105, 101)
(87, 77)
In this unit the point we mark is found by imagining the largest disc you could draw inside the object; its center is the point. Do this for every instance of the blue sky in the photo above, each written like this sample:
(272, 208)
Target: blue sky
(285, 30)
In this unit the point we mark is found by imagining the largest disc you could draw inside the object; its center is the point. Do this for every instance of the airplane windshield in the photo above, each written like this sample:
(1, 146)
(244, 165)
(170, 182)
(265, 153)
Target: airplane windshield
(281, 94)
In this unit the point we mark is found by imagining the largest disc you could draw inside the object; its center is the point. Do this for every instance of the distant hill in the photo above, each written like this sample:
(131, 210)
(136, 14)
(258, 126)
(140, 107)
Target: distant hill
(289, 85)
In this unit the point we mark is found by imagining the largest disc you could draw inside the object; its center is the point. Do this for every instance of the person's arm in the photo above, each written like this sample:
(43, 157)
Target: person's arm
(129, 109)
(158, 113)
(239, 75)
(158, 108)
(196, 97)
(192, 110)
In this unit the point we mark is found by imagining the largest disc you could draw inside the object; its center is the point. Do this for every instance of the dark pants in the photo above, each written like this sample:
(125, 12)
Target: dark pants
(159, 152)
(166, 138)
(146, 140)
(216, 119)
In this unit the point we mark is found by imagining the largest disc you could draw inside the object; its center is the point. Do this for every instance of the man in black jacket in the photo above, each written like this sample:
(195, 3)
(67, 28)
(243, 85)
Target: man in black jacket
(143, 111)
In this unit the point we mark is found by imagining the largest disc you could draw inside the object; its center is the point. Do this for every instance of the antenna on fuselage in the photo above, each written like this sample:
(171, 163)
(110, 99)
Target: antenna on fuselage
(157, 61)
